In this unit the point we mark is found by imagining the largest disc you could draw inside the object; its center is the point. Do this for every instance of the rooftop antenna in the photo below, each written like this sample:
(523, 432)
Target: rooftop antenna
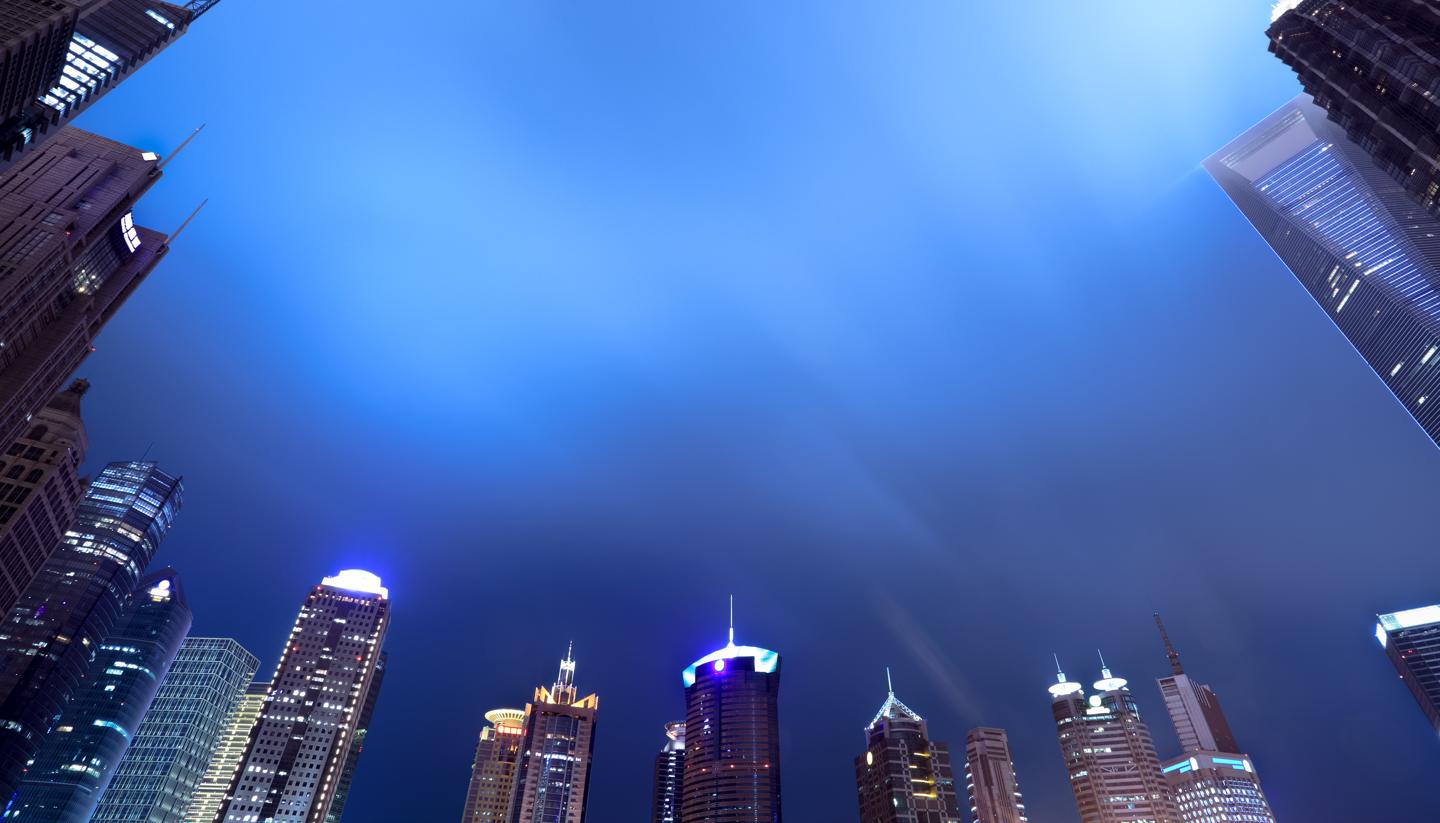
(1169, 649)
(183, 144)
(1104, 669)
(1059, 672)
(732, 619)
(176, 233)
(890, 684)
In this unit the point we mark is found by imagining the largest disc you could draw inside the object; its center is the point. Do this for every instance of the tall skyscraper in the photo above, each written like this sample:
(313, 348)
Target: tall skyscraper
(171, 750)
(669, 776)
(1360, 245)
(1109, 754)
(70, 254)
(552, 780)
(1371, 65)
(990, 778)
(50, 636)
(492, 775)
(732, 736)
(40, 490)
(80, 756)
(1212, 781)
(300, 748)
(1411, 640)
(357, 742)
(227, 753)
(904, 776)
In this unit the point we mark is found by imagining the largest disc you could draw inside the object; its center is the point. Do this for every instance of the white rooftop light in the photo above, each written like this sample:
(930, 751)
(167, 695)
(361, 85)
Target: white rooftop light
(357, 580)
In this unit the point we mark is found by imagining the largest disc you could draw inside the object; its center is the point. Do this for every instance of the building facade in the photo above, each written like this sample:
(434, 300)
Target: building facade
(81, 755)
(357, 741)
(1411, 640)
(300, 748)
(669, 776)
(732, 736)
(168, 755)
(1110, 757)
(1366, 252)
(40, 490)
(990, 780)
(492, 775)
(226, 754)
(904, 776)
(552, 777)
(75, 602)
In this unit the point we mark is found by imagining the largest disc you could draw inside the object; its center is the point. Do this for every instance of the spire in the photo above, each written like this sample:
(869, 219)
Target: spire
(1104, 669)
(1169, 649)
(564, 691)
(183, 144)
(732, 619)
(889, 683)
(1059, 672)
(892, 708)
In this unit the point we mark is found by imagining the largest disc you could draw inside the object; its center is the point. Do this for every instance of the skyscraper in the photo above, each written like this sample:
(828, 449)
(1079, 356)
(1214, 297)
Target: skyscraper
(1411, 640)
(78, 759)
(1359, 244)
(990, 778)
(300, 748)
(732, 736)
(1374, 66)
(171, 750)
(1109, 754)
(357, 741)
(1212, 781)
(492, 775)
(904, 776)
(669, 776)
(226, 754)
(40, 490)
(552, 780)
(50, 636)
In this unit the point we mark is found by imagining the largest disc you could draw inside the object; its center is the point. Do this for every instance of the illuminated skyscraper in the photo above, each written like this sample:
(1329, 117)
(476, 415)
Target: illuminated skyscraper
(990, 778)
(40, 491)
(1109, 754)
(1366, 251)
(492, 775)
(552, 780)
(669, 776)
(904, 776)
(226, 754)
(300, 749)
(80, 756)
(357, 742)
(170, 752)
(50, 636)
(732, 736)
(1411, 640)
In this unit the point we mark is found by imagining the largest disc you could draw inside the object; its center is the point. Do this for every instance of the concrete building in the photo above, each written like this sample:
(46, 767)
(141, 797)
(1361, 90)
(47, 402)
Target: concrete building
(904, 776)
(990, 780)
(669, 776)
(552, 779)
(492, 774)
(226, 755)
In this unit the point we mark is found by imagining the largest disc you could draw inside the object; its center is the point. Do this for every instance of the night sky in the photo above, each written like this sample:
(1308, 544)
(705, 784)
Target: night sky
(915, 325)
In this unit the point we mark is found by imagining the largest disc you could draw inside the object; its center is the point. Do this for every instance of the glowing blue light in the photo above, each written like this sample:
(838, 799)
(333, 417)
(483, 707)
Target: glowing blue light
(1382, 635)
(357, 580)
(766, 661)
(719, 665)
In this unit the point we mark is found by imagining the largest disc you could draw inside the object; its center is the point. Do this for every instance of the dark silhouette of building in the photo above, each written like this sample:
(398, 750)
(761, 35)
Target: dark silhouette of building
(40, 489)
(48, 639)
(669, 776)
(81, 754)
(1374, 66)
(990, 778)
(904, 776)
(732, 736)
(1411, 640)
(37, 37)
(492, 775)
(552, 776)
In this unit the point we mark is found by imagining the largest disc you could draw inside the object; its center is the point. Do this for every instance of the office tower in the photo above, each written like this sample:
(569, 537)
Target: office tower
(1365, 251)
(1114, 771)
(990, 778)
(1212, 781)
(1372, 65)
(732, 736)
(70, 254)
(357, 741)
(904, 776)
(669, 776)
(40, 490)
(1411, 640)
(300, 747)
(227, 753)
(552, 780)
(492, 775)
(173, 746)
(79, 757)
(75, 51)
(49, 637)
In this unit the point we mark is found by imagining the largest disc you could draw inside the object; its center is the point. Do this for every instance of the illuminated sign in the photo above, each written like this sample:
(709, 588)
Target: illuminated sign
(127, 228)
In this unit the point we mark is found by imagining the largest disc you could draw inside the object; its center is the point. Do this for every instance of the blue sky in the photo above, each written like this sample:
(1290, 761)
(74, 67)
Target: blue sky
(915, 325)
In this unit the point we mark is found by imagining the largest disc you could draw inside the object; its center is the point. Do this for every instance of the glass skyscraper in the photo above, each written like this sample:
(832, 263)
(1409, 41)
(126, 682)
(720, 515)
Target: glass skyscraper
(1364, 249)
(171, 750)
(669, 776)
(904, 776)
(990, 780)
(227, 753)
(552, 779)
(73, 605)
(492, 774)
(81, 754)
(1411, 640)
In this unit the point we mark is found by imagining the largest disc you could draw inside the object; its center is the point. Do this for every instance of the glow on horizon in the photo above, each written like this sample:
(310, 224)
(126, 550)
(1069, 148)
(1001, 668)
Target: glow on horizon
(357, 580)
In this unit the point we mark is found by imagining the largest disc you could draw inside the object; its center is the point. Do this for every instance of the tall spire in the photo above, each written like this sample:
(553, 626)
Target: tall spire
(1059, 672)
(564, 691)
(1104, 669)
(732, 619)
(889, 683)
(1169, 649)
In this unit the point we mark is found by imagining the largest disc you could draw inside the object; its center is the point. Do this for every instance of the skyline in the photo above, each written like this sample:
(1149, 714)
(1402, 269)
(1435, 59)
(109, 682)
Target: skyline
(846, 418)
